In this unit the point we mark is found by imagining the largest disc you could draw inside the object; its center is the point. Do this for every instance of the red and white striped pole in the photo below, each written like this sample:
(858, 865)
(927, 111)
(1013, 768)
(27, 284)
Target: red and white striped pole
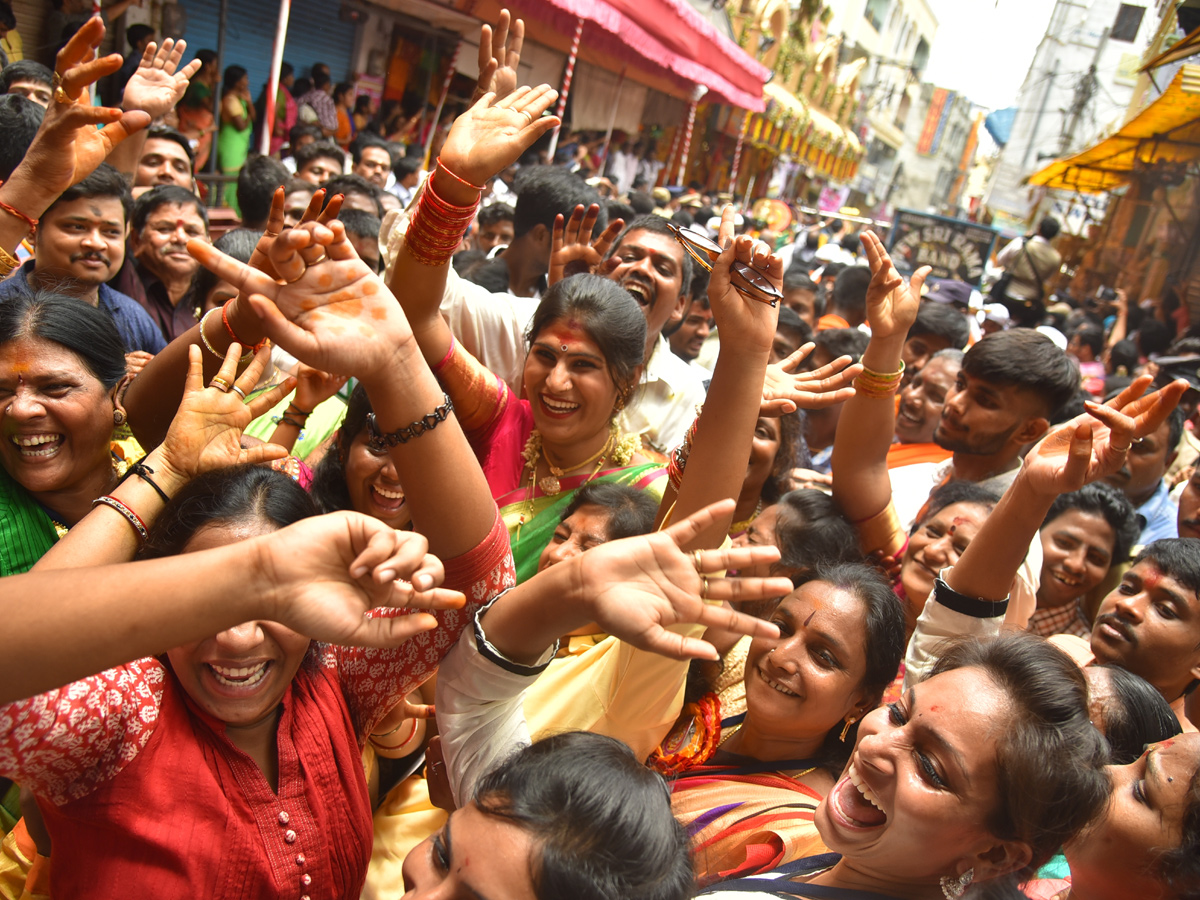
(437, 115)
(737, 154)
(686, 150)
(561, 108)
(269, 113)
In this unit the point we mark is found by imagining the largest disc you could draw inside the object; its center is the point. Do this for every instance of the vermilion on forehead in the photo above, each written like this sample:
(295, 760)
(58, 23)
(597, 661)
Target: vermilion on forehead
(653, 243)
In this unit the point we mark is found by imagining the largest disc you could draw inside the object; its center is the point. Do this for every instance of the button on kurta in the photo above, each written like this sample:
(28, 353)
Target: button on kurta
(284, 818)
(299, 859)
(290, 836)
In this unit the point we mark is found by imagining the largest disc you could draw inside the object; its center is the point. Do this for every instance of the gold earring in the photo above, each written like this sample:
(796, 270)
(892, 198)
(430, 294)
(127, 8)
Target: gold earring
(850, 720)
(118, 418)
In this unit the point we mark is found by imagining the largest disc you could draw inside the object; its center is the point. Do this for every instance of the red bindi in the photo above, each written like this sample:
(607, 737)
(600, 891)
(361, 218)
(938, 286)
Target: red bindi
(1152, 580)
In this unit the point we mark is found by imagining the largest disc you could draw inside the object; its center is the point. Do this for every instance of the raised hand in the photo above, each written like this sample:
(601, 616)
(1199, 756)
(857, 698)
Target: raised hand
(69, 146)
(570, 252)
(744, 325)
(499, 56)
(1094, 444)
(206, 432)
(314, 387)
(891, 304)
(158, 83)
(325, 572)
(331, 311)
(638, 587)
(785, 389)
(492, 134)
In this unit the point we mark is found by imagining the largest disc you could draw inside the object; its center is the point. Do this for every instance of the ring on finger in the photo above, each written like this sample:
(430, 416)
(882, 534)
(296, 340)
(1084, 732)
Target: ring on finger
(528, 116)
(704, 586)
(1122, 449)
(696, 562)
(60, 96)
(220, 384)
(237, 390)
(320, 259)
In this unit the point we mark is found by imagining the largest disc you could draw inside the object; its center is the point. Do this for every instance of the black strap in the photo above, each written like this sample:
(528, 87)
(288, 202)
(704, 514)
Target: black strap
(1036, 274)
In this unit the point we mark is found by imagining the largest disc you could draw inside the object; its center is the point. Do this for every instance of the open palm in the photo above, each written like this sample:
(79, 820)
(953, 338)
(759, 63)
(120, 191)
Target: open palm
(158, 83)
(493, 134)
(891, 304)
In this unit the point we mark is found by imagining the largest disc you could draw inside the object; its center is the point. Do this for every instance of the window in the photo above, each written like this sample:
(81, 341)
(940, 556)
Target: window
(1129, 21)
(875, 12)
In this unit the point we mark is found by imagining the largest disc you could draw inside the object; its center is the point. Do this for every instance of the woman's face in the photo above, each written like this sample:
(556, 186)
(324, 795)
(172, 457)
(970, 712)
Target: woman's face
(761, 533)
(921, 783)
(937, 543)
(1077, 550)
(56, 418)
(1114, 857)
(374, 485)
(568, 384)
(585, 528)
(763, 448)
(806, 681)
(474, 855)
(240, 675)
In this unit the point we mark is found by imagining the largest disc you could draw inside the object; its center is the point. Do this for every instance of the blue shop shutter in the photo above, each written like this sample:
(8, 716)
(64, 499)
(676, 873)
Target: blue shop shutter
(315, 33)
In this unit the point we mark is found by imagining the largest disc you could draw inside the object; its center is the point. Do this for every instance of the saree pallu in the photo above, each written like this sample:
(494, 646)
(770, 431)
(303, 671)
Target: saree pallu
(745, 819)
(531, 520)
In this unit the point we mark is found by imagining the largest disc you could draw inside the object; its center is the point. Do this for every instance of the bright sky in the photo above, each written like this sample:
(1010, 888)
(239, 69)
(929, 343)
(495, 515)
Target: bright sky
(983, 47)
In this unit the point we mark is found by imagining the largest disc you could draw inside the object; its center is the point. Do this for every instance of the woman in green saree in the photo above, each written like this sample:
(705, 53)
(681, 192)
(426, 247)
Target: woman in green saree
(586, 342)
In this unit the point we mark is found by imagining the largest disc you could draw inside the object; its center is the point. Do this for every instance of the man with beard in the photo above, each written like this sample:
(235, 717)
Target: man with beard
(80, 245)
(1002, 401)
(1141, 479)
(159, 273)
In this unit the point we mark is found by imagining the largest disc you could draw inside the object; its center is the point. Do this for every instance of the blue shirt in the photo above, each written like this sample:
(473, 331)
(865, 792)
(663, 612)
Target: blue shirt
(135, 326)
(1160, 516)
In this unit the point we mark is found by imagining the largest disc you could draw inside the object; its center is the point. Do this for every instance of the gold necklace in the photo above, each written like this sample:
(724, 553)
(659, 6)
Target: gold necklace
(550, 484)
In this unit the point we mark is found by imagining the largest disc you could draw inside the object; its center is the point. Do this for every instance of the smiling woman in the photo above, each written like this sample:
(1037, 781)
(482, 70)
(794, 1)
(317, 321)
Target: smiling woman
(60, 364)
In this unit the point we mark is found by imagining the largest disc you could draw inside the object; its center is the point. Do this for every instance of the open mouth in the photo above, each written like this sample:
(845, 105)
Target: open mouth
(245, 678)
(557, 408)
(775, 685)
(1066, 580)
(640, 292)
(854, 804)
(390, 500)
(38, 446)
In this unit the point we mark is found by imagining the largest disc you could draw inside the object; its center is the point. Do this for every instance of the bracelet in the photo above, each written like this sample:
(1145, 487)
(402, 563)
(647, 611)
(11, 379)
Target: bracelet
(378, 441)
(288, 420)
(410, 736)
(677, 461)
(436, 228)
(143, 471)
(33, 223)
(475, 187)
(209, 347)
(878, 385)
(251, 349)
(8, 263)
(293, 407)
(130, 516)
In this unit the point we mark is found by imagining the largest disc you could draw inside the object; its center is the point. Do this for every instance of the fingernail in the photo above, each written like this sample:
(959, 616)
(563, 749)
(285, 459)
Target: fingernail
(387, 575)
(726, 243)
(358, 571)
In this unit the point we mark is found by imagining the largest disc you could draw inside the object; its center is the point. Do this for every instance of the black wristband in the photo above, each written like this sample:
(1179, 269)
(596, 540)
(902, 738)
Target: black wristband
(143, 471)
(974, 607)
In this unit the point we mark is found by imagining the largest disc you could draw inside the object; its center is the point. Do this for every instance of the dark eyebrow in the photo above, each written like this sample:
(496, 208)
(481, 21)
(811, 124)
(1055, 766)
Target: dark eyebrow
(552, 348)
(830, 639)
(937, 739)
(450, 860)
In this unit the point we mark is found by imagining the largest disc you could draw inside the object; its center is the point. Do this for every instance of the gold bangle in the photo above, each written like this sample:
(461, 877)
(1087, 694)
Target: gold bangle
(209, 347)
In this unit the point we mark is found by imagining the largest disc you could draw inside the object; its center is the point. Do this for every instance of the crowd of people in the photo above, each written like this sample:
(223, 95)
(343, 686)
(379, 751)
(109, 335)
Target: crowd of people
(506, 530)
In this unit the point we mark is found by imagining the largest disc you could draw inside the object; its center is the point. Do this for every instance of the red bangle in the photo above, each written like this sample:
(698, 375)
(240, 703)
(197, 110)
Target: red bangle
(251, 349)
(462, 181)
(13, 211)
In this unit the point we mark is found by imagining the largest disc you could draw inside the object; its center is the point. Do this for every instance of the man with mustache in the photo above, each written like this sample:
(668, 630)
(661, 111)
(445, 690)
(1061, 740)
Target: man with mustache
(1141, 479)
(1150, 624)
(1002, 400)
(80, 245)
(159, 273)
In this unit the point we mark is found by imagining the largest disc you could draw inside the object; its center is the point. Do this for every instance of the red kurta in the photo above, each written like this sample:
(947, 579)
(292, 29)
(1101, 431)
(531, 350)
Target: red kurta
(142, 792)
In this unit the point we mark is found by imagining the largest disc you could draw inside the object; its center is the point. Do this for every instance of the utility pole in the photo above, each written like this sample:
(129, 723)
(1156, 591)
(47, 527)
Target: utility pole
(1037, 121)
(1084, 91)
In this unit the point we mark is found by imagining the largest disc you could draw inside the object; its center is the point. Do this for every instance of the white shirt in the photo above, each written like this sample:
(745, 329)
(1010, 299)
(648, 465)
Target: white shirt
(492, 328)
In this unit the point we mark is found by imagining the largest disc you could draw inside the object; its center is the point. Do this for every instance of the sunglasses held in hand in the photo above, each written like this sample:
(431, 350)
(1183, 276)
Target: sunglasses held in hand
(746, 279)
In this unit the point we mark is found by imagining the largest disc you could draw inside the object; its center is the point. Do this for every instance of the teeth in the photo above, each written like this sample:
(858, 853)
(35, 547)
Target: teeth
(559, 406)
(1071, 582)
(244, 677)
(390, 495)
(776, 686)
(32, 440)
(867, 793)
